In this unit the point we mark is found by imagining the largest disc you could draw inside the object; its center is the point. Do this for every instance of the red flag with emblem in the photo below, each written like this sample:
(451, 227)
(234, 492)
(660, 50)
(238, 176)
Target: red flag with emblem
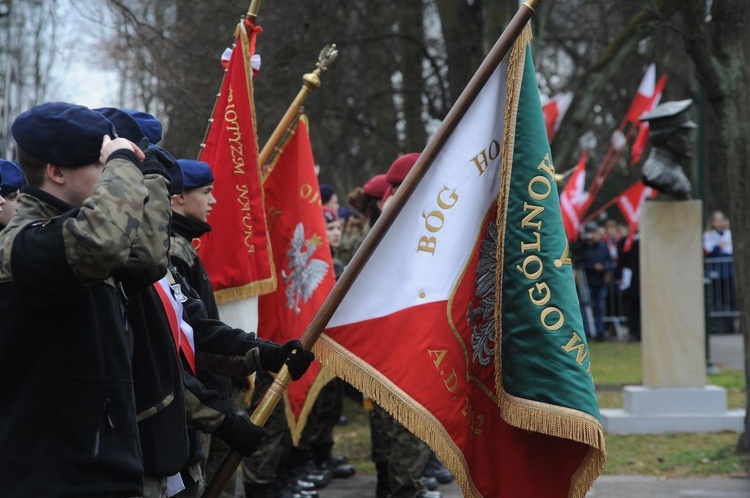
(237, 252)
(303, 262)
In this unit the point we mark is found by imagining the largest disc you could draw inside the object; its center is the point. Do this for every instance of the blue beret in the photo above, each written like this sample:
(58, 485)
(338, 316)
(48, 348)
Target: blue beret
(149, 124)
(62, 134)
(12, 178)
(326, 192)
(196, 173)
(125, 125)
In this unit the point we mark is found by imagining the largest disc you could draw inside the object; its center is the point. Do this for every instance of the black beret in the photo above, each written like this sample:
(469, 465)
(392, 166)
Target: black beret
(149, 124)
(62, 134)
(125, 125)
(11, 178)
(196, 173)
(326, 192)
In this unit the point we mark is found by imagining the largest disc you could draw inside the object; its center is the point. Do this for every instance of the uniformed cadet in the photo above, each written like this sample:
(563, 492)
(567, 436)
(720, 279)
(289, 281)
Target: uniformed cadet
(10, 186)
(68, 420)
(190, 210)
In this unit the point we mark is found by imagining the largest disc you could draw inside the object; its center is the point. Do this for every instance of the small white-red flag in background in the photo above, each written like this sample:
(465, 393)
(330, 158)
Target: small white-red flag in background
(554, 111)
(572, 199)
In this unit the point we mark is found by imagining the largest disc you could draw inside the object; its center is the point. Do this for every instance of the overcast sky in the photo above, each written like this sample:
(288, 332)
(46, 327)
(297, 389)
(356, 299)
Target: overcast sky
(80, 70)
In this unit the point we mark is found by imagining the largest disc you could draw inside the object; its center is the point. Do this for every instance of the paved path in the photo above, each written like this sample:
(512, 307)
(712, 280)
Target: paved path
(727, 351)
(605, 487)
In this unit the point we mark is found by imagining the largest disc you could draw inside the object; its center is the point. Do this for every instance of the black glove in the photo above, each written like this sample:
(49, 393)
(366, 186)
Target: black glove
(274, 356)
(159, 161)
(238, 432)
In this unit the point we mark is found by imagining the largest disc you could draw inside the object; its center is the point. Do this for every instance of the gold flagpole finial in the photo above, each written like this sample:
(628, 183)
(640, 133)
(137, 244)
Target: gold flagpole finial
(310, 82)
(252, 11)
(325, 59)
(327, 55)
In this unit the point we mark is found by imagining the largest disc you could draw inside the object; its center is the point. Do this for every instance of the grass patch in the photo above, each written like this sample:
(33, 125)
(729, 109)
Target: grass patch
(614, 365)
(675, 455)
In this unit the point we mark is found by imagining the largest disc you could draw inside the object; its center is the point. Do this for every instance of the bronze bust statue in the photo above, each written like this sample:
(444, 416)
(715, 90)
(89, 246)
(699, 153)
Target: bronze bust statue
(669, 134)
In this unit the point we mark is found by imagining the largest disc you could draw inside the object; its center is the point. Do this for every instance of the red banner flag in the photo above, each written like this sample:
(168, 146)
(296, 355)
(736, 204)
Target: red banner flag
(630, 202)
(464, 322)
(237, 252)
(572, 199)
(303, 263)
(554, 112)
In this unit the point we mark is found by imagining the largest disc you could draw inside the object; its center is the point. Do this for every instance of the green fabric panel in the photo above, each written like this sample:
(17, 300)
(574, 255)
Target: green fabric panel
(535, 363)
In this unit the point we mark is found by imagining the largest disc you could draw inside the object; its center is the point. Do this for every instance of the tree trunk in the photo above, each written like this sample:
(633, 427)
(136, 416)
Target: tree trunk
(462, 31)
(411, 47)
(720, 50)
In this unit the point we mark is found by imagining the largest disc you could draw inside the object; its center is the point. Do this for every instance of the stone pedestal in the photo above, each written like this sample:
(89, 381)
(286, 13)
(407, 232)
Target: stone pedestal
(672, 304)
(674, 397)
(657, 410)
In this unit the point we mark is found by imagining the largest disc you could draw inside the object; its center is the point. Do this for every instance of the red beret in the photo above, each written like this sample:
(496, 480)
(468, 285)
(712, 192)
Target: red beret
(377, 186)
(329, 215)
(400, 168)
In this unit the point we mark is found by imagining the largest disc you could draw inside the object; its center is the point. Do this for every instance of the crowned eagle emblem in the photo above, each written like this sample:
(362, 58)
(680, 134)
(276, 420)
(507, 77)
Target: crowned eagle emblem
(481, 312)
(304, 273)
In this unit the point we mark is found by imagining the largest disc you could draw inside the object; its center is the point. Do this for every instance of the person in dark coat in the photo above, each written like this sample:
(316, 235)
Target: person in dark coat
(594, 258)
(68, 420)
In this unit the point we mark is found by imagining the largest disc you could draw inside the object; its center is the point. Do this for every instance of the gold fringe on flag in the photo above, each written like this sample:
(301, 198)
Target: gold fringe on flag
(392, 399)
(252, 289)
(324, 377)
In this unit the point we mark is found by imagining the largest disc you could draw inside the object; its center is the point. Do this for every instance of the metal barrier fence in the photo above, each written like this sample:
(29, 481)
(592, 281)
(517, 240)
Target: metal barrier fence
(721, 295)
(721, 299)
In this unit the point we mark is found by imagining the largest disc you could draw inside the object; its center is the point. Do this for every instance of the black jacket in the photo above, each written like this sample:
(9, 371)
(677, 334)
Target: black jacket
(67, 422)
(185, 259)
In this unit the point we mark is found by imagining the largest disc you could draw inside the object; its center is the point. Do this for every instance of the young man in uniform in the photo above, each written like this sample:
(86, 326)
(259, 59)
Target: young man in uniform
(68, 424)
(10, 186)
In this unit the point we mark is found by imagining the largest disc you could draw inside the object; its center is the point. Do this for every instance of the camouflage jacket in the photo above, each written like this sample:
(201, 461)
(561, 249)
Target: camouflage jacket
(65, 345)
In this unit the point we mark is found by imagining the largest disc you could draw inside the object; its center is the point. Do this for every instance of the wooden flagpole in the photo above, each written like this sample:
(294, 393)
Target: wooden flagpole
(324, 314)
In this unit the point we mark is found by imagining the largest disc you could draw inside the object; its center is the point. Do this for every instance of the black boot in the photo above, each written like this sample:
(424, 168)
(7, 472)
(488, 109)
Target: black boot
(383, 488)
(253, 490)
(436, 469)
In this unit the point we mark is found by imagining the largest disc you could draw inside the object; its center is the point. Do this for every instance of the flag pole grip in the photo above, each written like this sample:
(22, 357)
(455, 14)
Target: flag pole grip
(259, 417)
(376, 234)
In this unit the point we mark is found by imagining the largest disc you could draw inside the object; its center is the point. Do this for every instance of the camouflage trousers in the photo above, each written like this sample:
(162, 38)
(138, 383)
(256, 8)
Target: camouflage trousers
(154, 487)
(262, 467)
(405, 454)
(317, 437)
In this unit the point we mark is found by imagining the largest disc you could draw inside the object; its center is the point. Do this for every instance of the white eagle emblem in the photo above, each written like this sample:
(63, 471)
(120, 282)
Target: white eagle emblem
(304, 273)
